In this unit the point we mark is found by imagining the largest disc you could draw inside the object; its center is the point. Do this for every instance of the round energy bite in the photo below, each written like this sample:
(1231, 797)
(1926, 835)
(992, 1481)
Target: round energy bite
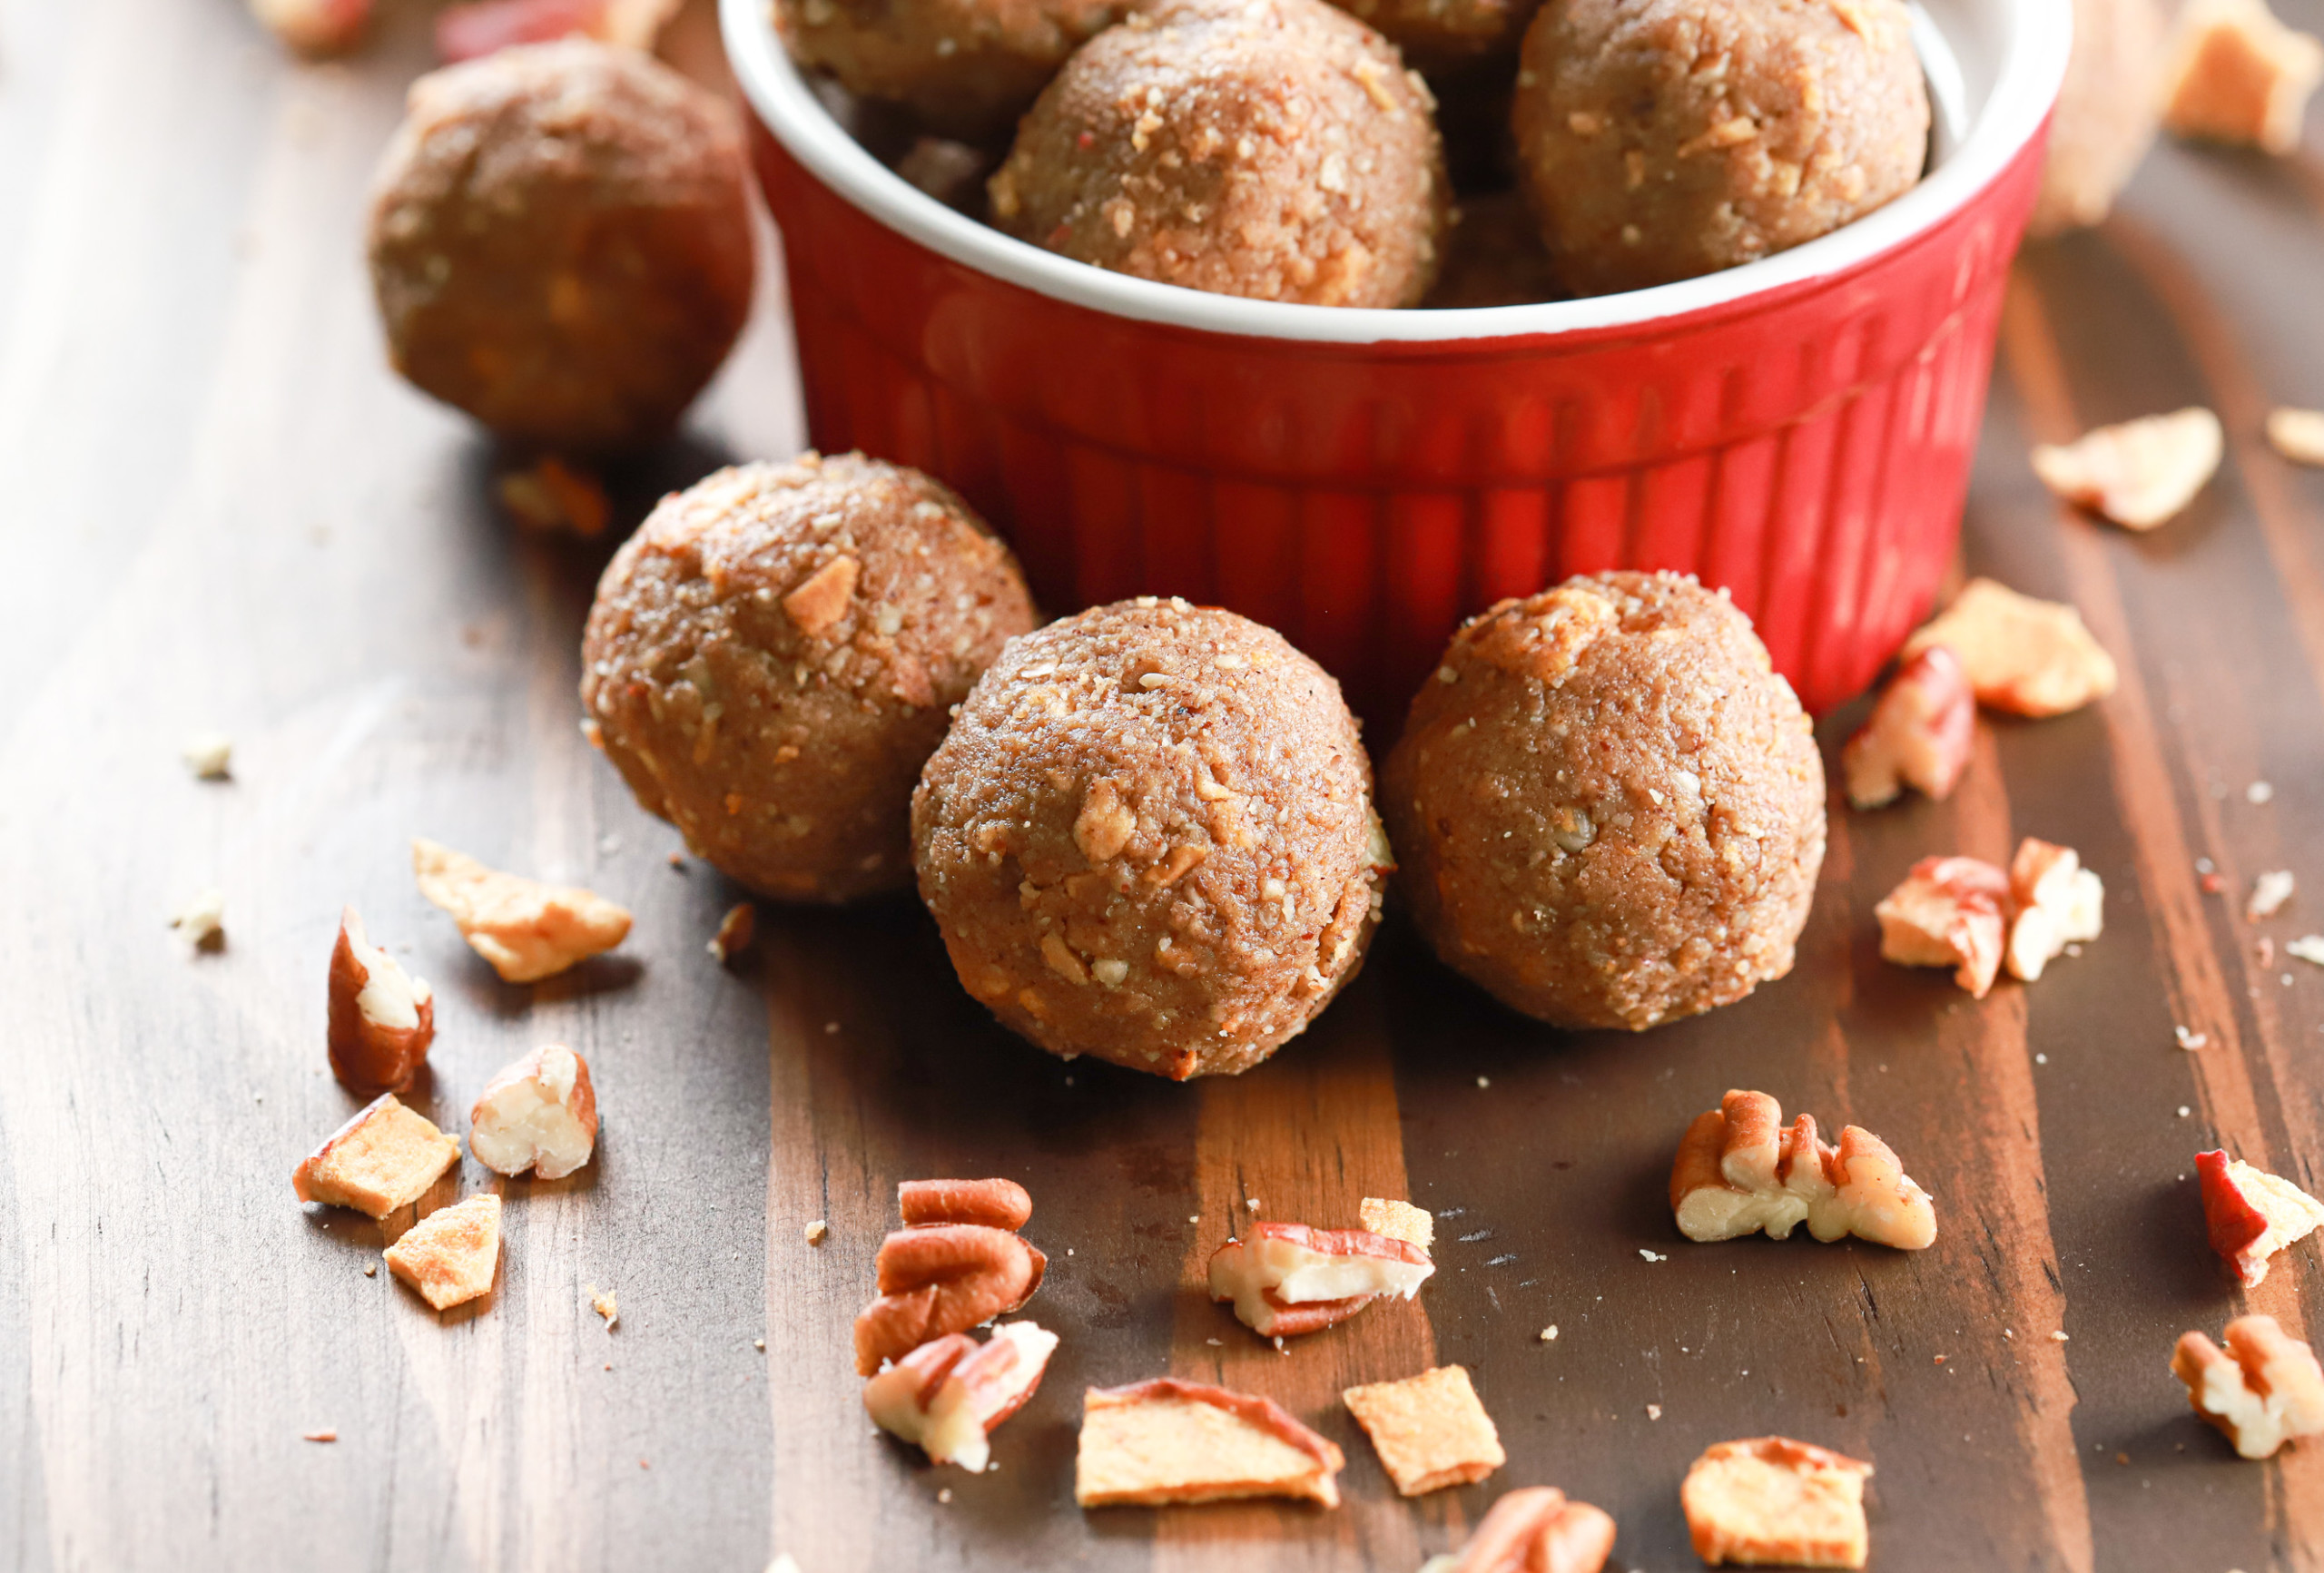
(965, 68)
(1609, 805)
(1665, 138)
(1150, 838)
(1273, 149)
(774, 655)
(561, 244)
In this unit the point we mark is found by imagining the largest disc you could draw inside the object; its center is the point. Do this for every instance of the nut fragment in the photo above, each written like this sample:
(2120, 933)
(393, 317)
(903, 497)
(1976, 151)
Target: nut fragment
(551, 494)
(484, 27)
(1429, 1429)
(1739, 1171)
(539, 1113)
(384, 1158)
(997, 1202)
(209, 755)
(2263, 1392)
(2252, 1214)
(1289, 1278)
(527, 930)
(1770, 1499)
(1920, 734)
(736, 932)
(2055, 903)
(2298, 434)
(201, 921)
(1534, 1530)
(380, 1019)
(940, 1279)
(314, 26)
(2019, 654)
(2241, 76)
(1166, 1441)
(822, 599)
(2140, 474)
(452, 1255)
(1398, 1221)
(2270, 891)
(1948, 912)
(948, 1395)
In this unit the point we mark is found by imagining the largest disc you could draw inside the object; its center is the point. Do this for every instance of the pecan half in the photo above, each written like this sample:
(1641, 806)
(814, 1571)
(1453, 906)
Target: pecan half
(1537, 1530)
(2263, 1390)
(941, 1279)
(1000, 1203)
(1736, 1176)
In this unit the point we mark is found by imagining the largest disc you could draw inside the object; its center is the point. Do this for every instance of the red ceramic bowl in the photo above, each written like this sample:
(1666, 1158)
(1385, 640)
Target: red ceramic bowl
(1798, 431)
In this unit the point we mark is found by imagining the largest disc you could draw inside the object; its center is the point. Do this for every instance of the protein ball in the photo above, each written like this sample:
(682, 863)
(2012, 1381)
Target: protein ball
(774, 655)
(965, 68)
(1609, 806)
(561, 243)
(1665, 138)
(1442, 36)
(1276, 149)
(1149, 837)
(2107, 111)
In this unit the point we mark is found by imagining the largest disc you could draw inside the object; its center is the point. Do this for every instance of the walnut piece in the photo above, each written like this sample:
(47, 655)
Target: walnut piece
(1770, 1499)
(1534, 1530)
(1429, 1429)
(379, 1020)
(2054, 902)
(1948, 912)
(384, 1158)
(1920, 734)
(2238, 75)
(998, 1204)
(947, 1395)
(527, 930)
(1167, 1442)
(539, 1113)
(1287, 1278)
(2298, 434)
(2264, 1390)
(1398, 1221)
(939, 1279)
(2140, 474)
(1740, 1170)
(314, 26)
(452, 1255)
(2019, 654)
(2252, 1214)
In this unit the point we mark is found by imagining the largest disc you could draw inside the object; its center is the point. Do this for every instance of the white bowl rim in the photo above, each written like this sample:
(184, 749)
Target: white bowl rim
(2025, 88)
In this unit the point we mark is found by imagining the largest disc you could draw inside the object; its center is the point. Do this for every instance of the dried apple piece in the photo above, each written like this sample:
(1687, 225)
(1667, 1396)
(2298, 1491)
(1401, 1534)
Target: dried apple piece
(1948, 912)
(2140, 474)
(2238, 75)
(1770, 1499)
(1920, 734)
(1429, 1429)
(2021, 654)
(452, 1255)
(527, 930)
(2251, 1214)
(1169, 1441)
(384, 1158)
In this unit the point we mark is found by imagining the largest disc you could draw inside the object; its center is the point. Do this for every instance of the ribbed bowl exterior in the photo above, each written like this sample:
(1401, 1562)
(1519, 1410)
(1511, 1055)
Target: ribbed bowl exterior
(1808, 448)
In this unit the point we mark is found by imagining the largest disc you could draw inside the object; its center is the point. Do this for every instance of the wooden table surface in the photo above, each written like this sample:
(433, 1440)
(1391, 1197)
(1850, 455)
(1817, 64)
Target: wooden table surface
(222, 511)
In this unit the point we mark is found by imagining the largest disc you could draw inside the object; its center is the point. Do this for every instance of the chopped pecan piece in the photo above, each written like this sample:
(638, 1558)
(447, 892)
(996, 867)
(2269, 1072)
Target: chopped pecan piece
(2241, 76)
(948, 1395)
(540, 1113)
(940, 1279)
(1740, 1172)
(2140, 474)
(2251, 1214)
(2264, 1390)
(384, 1158)
(1289, 1278)
(1948, 912)
(1429, 1429)
(1920, 734)
(1165, 1442)
(1534, 1530)
(2019, 654)
(2055, 903)
(380, 1019)
(1770, 1499)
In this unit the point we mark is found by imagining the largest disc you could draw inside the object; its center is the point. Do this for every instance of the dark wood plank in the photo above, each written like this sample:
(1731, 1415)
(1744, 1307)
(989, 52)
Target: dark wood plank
(225, 512)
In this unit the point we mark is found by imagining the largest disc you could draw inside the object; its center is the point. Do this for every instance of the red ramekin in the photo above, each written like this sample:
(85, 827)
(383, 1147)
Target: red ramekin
(1798, 430)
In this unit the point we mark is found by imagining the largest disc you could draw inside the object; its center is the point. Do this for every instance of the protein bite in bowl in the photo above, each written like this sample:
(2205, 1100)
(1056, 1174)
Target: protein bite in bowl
(1609, 808)
(773, 656)
(963, 68)
(1273, 149)
(1149, 837)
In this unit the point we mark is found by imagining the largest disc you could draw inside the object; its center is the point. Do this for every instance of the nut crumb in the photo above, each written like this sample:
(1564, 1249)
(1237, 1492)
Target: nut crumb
(602, 1303)
(2270, 891)
(945, 1496)
(209, 755)
(202, 922)
(759, 1344)
(1654, 1412)
(818, 1231)
(1549, 1333)
(736, 932)
(321, 1436)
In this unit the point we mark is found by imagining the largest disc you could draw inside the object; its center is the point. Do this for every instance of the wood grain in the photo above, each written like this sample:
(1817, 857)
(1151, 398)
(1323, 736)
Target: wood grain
(223, 511)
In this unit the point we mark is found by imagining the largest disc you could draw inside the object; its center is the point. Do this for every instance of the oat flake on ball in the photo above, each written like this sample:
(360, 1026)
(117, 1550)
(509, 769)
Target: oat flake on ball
(1149, 837)
(1273, 149)
(1665, 138)
(560, 242)
(1609, 806)
(774, 655)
